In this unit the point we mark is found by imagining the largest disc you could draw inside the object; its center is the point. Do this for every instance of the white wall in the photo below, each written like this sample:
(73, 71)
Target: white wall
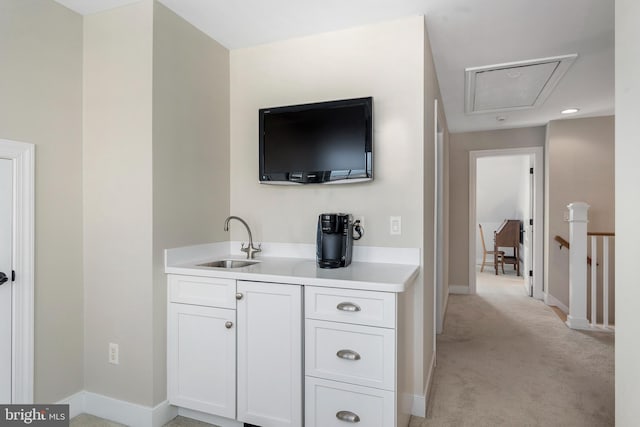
(502, 192)
(41, 103)
(627, 153)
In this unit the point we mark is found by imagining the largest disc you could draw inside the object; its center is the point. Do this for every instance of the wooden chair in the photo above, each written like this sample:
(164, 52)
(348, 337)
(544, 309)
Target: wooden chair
(498, 255)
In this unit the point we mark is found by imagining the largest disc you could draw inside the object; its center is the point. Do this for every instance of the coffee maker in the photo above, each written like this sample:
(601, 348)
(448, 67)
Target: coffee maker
(334, 242)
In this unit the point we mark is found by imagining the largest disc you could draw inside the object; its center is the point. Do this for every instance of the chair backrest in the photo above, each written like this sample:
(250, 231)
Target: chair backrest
(484, 248)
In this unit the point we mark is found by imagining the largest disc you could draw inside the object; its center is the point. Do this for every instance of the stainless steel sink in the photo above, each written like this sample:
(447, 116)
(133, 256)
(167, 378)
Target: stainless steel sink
(228, 263)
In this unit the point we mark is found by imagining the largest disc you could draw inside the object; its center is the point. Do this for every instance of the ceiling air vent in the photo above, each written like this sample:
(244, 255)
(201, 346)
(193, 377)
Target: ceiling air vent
(513, 86)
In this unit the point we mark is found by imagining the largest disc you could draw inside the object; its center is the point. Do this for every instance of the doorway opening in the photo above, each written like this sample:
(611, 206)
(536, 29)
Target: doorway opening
(17, 249)
(505, 207)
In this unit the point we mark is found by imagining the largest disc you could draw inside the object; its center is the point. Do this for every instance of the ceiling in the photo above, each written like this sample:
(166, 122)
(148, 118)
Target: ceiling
(463, 34)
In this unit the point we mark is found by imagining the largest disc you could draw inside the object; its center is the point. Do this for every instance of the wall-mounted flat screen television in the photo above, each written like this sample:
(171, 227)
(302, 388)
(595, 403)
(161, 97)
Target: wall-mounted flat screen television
(325, 142)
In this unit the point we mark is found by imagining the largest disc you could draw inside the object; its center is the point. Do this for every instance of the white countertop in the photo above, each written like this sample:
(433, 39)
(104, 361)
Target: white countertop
(374, 276)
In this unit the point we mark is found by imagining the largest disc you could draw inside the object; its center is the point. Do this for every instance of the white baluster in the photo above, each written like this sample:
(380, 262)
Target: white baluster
(577, 318)
(594, 279)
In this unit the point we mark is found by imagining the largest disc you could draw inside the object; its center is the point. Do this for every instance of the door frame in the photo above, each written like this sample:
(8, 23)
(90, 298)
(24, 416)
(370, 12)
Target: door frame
(537, 154)
(438, 225)
(22, 369)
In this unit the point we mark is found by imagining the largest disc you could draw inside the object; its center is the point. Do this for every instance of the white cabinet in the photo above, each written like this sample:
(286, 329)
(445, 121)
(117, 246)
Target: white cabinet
(350, 358)
(202, 358)
(235, 349)
(269, 354)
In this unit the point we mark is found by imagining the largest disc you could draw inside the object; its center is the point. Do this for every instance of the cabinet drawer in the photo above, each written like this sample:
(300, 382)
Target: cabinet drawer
(334, 404)
(207, 291)
(362, 355)
(351, 306)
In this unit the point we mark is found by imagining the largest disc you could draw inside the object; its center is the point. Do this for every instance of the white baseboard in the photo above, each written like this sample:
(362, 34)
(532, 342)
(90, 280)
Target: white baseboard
(419, 408)
(551, 300)
(75, 402)
(445, 306)
(458, 289)
(120, 411)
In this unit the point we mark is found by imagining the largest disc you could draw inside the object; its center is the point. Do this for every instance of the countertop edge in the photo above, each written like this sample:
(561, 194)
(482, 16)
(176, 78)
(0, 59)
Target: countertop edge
(396, 287)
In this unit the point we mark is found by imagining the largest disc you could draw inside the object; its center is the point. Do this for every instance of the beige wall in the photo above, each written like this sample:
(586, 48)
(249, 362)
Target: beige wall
(459, 147)
(117, 175)
(41, 103)
(627, 174)
(156, 175)
(386, 61)
(431, 93)
(190, 153)
(579, 168)
(383, 61)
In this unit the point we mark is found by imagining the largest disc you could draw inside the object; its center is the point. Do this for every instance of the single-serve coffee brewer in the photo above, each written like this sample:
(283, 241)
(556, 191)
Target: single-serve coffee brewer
(334, 242)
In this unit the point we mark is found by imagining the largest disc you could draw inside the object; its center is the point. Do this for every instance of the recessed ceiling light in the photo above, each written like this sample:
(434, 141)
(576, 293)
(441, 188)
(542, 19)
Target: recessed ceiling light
(570, 111)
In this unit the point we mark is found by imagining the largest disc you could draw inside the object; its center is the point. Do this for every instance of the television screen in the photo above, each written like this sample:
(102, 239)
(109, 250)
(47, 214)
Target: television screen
(315, 143)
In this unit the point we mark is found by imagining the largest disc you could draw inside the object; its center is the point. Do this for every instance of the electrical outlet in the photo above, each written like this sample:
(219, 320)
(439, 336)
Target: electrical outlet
(395, 225)
(114, 357)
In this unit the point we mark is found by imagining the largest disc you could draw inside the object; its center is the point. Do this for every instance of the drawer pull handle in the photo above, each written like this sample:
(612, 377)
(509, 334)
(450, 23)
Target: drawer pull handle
(348, 355)
(348, 416)
(348, 306)
(228, 324)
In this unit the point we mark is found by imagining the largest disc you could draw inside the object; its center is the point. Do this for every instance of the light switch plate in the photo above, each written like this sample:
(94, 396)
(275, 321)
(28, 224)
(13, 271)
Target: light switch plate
(395, 225)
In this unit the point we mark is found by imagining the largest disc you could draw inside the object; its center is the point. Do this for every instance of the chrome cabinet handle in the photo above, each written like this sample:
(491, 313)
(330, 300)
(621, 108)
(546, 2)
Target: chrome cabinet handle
(348, 306)
(348, 416)
(228, 324)
(348, 355)
(239, 296)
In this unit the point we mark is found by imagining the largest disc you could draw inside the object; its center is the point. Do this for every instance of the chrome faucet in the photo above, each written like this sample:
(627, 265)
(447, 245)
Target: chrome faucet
(250, 250)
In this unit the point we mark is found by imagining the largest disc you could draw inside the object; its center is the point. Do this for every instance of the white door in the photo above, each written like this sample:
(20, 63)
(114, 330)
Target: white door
(6, 244)
(269, 354)
(201, 359)
(528, 236)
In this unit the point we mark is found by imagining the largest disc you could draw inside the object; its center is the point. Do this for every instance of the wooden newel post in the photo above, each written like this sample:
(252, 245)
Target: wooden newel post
(577, 318)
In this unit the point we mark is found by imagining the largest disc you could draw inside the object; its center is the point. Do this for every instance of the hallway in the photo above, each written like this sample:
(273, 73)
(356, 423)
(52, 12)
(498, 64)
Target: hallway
(505, 359)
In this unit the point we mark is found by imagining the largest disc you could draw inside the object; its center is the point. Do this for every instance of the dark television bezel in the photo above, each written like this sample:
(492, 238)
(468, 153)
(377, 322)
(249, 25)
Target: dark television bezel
(320, 177)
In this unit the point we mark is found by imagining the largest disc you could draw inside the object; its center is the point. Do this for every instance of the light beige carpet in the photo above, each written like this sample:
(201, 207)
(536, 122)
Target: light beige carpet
(505, 359)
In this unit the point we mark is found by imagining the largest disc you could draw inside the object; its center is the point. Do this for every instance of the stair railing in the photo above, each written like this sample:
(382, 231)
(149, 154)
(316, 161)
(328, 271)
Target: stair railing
(578, 236)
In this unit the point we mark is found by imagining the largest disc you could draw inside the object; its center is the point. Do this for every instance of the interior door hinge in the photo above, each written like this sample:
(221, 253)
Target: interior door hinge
(531, 222)
(13, 275)
(531, 171)
(530, 273)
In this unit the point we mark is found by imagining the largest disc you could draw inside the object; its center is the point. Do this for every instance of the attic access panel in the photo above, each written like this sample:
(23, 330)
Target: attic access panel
(513, 86)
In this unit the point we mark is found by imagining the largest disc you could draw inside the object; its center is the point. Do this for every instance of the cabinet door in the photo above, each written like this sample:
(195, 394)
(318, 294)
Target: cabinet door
(201, 358)
(269, 354)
